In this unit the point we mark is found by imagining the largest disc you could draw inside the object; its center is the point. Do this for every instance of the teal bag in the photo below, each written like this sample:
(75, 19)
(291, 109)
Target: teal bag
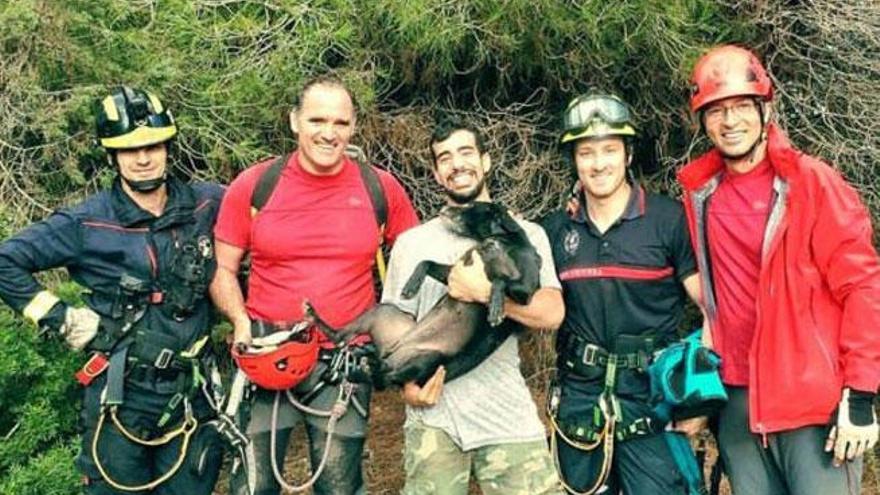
(684, 377)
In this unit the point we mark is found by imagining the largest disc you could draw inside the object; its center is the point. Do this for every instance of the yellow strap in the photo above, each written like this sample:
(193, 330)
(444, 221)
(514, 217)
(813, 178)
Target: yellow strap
(380, 264)
(604, 471)
(195, 349)
(39, 306)
(605, 439)
(380, 258)
(189, 422)
(189, 426)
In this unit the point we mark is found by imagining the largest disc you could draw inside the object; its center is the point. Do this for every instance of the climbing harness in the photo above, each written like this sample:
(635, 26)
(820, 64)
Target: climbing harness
(606, 416)
(337, 411)
(343, 369)
(112, 397)
(602, 440)
(343, 362)
(684, 374)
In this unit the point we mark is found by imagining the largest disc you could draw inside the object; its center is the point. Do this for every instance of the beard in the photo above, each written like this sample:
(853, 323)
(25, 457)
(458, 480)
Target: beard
(467, 197)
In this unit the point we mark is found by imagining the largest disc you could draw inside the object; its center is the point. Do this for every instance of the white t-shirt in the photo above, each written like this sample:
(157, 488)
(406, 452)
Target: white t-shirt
(490, 404)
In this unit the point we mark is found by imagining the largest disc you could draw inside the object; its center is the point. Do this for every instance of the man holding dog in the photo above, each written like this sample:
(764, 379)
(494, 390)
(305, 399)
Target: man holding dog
(792, 286)
(485, 421)
(626, 265)
(314, 239)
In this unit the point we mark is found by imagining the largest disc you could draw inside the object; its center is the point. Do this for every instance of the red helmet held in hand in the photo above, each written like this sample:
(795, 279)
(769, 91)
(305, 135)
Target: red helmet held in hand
(281, 366)
(728, 71)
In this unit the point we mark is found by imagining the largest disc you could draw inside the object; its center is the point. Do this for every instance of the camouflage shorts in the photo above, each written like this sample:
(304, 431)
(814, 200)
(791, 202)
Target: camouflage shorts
(436, 465)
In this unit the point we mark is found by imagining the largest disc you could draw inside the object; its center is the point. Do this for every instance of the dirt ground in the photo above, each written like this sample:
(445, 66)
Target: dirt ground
(383, 463)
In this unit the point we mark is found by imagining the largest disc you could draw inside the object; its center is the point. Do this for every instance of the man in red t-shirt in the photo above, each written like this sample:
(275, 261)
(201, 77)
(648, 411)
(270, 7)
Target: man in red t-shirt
(314, 239)
(791, 283)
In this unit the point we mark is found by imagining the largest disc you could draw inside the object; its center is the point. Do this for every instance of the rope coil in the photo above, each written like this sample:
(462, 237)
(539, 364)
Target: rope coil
(189, 425)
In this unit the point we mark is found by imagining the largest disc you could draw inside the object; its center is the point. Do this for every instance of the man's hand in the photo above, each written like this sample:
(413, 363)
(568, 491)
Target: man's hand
(241, 332)
(856, 429)
(468, 283)
(691, 426)
(427, 395)
(80, 327)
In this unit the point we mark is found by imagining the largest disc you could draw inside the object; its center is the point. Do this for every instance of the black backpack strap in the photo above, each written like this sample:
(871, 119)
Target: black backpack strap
(269, 180)
(266, 184)
(380, 206)
(374, 189)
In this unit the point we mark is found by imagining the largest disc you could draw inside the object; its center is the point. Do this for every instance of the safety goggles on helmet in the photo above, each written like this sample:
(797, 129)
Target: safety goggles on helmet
(131, 118)
(281, 360)
(595, 115)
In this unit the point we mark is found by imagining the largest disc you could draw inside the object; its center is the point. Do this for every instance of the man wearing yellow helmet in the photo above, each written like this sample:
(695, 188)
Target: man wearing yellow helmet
(144, 251)
(623, 257)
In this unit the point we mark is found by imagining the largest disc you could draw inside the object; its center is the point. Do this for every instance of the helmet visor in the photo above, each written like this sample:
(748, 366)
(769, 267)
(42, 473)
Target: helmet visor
(582, 113)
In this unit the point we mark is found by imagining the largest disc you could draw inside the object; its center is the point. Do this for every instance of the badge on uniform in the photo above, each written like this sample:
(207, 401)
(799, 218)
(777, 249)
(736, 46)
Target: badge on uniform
(571, 242)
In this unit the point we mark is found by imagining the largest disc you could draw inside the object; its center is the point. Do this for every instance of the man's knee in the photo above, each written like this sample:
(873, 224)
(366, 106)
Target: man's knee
(340, 461)
(517, 469)
(255, 473)
(201, 467)
(123, 463)
(433, 463)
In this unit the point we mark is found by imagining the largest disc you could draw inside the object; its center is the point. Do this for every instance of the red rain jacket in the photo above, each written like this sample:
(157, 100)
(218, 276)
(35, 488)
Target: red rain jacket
(818, 308)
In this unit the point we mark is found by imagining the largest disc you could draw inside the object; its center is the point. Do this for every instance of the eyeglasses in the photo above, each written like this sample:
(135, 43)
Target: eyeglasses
(584, 110)
(739, 110)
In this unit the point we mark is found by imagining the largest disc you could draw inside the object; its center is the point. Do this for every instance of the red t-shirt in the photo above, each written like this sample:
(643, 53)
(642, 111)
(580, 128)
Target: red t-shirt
(737, 217)
(315, 239)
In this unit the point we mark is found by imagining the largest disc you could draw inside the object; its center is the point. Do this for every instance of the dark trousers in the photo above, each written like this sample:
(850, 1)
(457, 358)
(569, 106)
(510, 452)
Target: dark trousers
(129, 463)
(793, 463)
(342, 471)
(640, 466)
(342, 474)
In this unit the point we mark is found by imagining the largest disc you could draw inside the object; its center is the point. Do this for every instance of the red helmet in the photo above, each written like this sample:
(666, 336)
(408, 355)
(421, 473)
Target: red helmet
(283, 367)
(727, 71)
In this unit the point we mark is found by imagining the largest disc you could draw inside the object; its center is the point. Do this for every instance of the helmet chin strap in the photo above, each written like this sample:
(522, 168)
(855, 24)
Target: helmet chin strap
(145, 186)
(141, 186)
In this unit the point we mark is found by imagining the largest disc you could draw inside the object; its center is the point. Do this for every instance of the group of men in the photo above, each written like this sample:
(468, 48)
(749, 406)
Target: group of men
(773, 246)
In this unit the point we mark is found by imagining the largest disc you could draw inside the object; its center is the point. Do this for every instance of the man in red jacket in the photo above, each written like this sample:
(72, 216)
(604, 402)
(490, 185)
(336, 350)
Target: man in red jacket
(792, 291)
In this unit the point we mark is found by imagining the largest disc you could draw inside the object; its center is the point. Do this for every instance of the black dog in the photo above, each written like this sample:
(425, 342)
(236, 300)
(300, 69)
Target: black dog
(455, 334)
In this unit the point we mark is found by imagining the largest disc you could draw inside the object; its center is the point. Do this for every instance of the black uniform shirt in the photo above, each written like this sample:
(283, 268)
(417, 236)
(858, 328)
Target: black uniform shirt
(626, 281)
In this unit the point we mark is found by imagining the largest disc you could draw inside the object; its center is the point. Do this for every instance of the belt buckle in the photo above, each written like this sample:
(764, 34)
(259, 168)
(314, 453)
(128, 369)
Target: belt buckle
(591, 355)
(163, 359)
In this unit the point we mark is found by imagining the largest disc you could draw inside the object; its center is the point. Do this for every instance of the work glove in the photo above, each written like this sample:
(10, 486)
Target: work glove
(856, 430)
(78, 326)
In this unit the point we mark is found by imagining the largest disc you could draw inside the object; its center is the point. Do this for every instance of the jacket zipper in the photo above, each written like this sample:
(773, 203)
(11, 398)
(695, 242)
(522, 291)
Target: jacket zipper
(771, 238)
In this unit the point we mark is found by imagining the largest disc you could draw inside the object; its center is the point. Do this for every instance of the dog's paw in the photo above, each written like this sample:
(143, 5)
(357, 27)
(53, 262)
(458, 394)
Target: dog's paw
(496, 315)
(411, 288)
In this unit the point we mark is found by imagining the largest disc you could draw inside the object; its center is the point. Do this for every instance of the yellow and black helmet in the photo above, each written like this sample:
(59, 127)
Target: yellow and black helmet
(130, 118)
(596, 115)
